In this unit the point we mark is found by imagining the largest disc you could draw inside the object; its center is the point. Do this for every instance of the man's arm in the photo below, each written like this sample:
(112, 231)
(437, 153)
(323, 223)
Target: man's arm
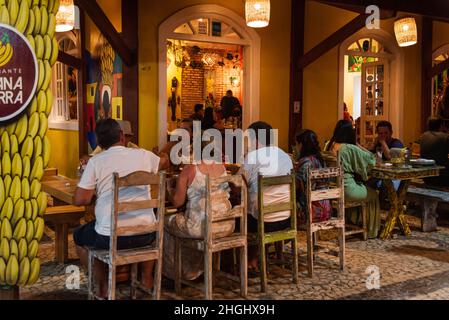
(83, 197)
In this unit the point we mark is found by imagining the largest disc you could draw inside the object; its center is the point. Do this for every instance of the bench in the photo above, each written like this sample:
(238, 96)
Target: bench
(62, 217)
(428, 200)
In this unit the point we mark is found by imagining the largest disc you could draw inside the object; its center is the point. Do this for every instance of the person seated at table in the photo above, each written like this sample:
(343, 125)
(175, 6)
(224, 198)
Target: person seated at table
(209, 121)
(309, 157)
(356, 162)
(97, 181)
(267, 160)
(191, 188)
(125, 126)
(435, 145)
(385, 141)
(199, 113)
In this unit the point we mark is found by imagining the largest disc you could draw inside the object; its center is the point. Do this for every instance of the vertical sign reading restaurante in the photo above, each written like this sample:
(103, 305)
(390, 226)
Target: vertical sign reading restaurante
(18, 73)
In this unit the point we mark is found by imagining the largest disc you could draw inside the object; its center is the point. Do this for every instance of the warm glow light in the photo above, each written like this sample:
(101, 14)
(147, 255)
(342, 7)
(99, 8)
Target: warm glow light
(406, 32)
(257, 13)
(65, 19)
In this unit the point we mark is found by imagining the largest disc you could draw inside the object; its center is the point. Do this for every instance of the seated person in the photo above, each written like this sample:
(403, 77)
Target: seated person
(191, 187)
(309, 157)
(199, 113)
(97, 180)
(209, 121)
(267, 160)
(127, 132)
(186, 124)
(385, 141)
(435, 146)
(356, 162)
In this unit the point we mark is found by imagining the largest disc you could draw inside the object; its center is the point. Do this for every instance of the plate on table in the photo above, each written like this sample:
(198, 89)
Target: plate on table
(422, 162)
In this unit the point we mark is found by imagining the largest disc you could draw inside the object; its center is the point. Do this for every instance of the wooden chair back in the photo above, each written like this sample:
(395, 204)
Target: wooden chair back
(135, 179)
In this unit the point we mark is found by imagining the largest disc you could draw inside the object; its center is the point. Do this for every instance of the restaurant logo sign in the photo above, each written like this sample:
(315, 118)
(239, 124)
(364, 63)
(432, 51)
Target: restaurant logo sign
(18, 73)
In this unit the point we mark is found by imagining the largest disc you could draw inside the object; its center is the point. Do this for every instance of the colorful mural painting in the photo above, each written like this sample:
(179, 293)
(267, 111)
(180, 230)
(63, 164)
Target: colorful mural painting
(104, 87)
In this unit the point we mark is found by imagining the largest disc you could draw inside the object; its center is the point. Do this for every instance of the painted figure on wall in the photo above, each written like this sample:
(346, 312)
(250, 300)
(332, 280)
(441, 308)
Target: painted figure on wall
(104, 86)
(174, 99)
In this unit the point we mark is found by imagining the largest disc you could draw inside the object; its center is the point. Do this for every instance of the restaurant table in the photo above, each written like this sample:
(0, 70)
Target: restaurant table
(396, 213)
(60, 187)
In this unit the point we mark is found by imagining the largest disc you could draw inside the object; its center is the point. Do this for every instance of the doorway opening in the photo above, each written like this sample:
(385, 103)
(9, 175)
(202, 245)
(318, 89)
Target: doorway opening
(370, 91)
(204, 51)
(440, 87)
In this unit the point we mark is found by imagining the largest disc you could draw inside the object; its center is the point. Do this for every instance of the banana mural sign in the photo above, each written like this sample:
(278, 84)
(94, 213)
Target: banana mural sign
(28, 51)
(18, 73)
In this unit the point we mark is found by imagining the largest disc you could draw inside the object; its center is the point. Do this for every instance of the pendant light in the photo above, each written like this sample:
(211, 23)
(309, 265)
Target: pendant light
(65, 19)
(406, 31)
(257, 13)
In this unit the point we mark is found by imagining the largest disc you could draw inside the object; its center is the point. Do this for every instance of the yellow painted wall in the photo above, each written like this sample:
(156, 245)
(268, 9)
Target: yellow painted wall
(275, 63)
(64, 151)
(440, 34)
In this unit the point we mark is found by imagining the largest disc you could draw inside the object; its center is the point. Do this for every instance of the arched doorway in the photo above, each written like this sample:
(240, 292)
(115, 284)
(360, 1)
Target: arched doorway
(371, 73)
(216, 26)
(440, 82)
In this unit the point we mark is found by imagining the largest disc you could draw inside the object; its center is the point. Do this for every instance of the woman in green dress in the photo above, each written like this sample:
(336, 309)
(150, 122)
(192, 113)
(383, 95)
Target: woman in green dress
(356, 162)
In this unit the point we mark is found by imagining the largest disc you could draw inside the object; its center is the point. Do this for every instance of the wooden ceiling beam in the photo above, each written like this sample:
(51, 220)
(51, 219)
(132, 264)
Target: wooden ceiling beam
(384, 14)
(70, 60)
(438, 9)
(330, 42)
(94, 11)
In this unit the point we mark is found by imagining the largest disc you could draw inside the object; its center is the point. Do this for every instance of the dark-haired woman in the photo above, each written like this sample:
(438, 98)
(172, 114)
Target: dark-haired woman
(356, 162)
(310, 157)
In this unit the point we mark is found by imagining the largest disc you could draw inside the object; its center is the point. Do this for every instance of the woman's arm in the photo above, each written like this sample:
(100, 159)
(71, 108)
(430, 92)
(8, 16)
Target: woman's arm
(180, 194)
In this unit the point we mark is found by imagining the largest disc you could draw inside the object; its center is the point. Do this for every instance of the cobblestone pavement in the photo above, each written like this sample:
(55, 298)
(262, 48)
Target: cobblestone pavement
(410, 268)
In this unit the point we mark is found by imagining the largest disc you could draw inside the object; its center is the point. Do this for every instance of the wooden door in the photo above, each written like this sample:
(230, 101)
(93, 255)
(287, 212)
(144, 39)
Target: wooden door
(375, 99)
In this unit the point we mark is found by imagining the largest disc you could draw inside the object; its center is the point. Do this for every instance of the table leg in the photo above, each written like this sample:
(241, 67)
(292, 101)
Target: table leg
(61, 242)
(402, 193)
(397, 209)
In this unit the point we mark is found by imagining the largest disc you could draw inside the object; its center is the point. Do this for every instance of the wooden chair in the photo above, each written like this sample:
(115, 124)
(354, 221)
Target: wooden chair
(334, 192)
(263, 238)
(210, 245)
(133, 257)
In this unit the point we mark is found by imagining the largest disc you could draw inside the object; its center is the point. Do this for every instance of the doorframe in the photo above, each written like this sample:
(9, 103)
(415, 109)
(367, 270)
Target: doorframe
(395, 57)
(251, 44)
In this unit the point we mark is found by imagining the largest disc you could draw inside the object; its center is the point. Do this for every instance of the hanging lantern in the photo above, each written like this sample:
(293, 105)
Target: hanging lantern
(257, 13)
(406, 32)
(65, 19)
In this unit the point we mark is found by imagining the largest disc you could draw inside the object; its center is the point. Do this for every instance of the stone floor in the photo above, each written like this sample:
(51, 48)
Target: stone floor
(409, 268)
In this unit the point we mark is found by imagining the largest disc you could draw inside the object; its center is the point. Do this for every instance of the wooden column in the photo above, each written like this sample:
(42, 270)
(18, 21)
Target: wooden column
(296, 72)
(426, 67)
(130, 83)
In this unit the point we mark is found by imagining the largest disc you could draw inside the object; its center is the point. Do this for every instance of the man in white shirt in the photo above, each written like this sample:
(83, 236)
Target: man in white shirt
(97, 180)
(266, 160)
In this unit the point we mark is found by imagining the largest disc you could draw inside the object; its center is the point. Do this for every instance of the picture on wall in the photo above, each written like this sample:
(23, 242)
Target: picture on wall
(104, 86)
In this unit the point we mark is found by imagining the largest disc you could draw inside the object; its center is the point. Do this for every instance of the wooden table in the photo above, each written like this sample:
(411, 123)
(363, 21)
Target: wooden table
(60, 187)
(397, 198)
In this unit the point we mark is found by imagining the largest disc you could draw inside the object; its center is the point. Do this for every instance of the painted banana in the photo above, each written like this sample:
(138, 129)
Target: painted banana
(13, 8)
(2, 272)
(12, 268)
(44, 21)
(19, 212)
(27, 149)
(33, 127)
(7, 209)
(22, 19)
(6, 230)
(43, 121)
(20, 229)
(21, 128)
(34, 271)
(26, 189)
(46, 152)
(7, 181)
(35, 189)
(5, 249)
(17, 166)
(42, 203)
(24, 271)
(38, 228)
(6, 164)
(29, 236)
(14, 145)
(37, 171)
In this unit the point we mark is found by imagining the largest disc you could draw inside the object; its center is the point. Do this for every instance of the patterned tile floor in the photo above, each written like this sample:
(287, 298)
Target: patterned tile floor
(409, 268)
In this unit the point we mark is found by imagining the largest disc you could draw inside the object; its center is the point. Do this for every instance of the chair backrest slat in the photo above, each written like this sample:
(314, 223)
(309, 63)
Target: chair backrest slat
(325, 173)
(138, 229)
(124, 207)
(325, 194)
(139, 178)
(278, 207)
